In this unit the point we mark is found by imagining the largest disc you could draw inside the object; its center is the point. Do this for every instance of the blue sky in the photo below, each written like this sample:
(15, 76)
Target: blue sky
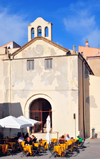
(73, 20)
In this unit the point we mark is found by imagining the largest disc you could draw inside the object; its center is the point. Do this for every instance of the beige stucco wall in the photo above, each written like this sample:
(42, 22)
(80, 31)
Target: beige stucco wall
(80, 99)
(86, 103)
(83, 98)
(3, 51)
(94, 63)
(4, 84)
(12, 50)
(94, 88)
(38, 49)
(58, 85)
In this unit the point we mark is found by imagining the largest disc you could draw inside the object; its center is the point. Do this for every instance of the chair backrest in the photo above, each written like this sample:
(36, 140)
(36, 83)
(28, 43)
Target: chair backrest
(44, 143)
(9, 146)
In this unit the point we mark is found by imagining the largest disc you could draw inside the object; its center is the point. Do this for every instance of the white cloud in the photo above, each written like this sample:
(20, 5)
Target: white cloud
(12, 27)
(93, 38)
(81, 22)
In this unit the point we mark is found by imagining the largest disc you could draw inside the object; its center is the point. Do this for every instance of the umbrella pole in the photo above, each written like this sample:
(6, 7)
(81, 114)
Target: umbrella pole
(10, 133)
(22, 131)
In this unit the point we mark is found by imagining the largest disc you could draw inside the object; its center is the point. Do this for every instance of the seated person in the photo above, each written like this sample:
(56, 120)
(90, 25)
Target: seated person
(34, 139)
(67, 137)
(62, 140)
(79, 138)
(21, 138)
(28, 141)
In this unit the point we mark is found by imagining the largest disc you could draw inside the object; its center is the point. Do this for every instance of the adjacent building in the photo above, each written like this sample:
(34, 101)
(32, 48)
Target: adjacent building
(88, 51)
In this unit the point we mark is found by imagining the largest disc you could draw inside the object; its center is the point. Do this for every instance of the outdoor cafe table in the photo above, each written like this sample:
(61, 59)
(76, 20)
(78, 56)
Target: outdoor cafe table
(22, 143)
(75, 140)
(69, 142)
(58, 149)
(12, 143)
(43, 142)
(65, 146)
(28, 148)
(11, 139)
(36, 144)
(6, 140)
(4, 148)
(53, 140)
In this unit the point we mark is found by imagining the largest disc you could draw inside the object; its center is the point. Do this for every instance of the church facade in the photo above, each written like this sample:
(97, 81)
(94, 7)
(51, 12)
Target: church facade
(42, 78)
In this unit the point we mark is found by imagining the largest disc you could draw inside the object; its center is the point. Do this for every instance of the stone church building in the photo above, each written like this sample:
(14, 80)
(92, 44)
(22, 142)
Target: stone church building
(42, 78)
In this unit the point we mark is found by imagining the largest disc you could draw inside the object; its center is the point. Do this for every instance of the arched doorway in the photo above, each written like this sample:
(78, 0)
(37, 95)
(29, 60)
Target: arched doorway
(39, 110)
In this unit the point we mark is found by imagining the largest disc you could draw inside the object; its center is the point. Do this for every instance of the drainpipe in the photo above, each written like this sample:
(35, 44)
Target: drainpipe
(10, 87)
(83, 97)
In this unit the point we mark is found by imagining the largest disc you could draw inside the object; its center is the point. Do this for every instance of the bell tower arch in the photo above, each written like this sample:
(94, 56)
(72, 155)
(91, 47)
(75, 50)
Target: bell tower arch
(40, 27)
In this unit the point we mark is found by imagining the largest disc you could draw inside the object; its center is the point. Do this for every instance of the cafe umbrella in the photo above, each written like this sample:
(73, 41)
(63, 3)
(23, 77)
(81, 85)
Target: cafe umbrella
(48, 122)
(12, 122)
(31, 121)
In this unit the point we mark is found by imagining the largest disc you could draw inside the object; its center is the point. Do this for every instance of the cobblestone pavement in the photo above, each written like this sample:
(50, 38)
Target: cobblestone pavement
(91, 151)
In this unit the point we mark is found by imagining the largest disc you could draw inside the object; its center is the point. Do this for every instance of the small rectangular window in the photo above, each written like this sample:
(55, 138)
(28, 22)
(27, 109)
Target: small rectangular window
(30, 65)
(48, 63)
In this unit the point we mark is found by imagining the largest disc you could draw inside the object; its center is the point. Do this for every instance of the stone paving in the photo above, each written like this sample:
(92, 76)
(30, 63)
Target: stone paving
(92, 151)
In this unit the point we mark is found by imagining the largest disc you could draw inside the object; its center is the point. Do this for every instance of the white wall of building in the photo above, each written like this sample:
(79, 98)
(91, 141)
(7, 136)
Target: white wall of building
(94, 87)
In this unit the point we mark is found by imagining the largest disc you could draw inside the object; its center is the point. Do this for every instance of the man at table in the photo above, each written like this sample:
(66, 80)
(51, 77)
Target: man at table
(21, 138)
(67, 137)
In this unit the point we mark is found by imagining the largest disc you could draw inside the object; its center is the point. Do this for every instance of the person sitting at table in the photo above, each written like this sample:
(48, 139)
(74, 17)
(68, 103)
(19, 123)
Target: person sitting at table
(28, 141)
(34, 139)
(21, 138)
(67, 137)
(79, 138)
(62, 140)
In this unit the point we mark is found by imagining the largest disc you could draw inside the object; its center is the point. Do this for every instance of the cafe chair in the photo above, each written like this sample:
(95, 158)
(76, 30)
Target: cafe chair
(42, 148)
(11, 150)
(53, 153)
(1, 154)
(25, 153)
(19, 147)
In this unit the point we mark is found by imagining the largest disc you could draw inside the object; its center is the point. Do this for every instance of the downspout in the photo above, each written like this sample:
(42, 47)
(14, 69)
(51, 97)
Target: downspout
(10, 111)
(83, 97)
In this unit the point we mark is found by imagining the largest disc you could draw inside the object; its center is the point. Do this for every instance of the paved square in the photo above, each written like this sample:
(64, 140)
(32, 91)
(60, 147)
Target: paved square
(92, 151)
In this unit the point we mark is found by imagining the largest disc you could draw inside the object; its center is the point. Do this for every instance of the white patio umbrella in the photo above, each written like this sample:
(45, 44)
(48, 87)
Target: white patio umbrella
(48, 137)
(31, 121)
(12, 122)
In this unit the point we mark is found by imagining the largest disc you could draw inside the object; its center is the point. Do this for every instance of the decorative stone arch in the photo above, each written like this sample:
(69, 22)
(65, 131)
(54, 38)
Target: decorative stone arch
(32, 33)
(39, 31)
(46, 31)
(34, 97)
